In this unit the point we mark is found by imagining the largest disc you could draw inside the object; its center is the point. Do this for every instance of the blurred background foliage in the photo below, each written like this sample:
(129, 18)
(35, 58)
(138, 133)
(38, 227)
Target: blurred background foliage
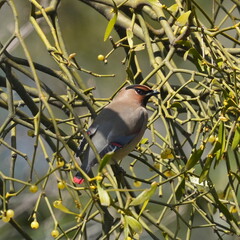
(57, 72)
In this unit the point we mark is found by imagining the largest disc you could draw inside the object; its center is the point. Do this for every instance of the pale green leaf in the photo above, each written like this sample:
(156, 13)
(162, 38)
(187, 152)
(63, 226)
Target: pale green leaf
(103, 196)
(134, 224)
(145, 195)
(130, 37)
(58, 204)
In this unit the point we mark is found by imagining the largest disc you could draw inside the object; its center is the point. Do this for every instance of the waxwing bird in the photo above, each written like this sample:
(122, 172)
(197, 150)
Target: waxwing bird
(118, 128)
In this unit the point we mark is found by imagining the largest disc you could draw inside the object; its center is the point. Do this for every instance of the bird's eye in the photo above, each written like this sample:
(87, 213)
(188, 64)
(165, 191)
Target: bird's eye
(140, 91)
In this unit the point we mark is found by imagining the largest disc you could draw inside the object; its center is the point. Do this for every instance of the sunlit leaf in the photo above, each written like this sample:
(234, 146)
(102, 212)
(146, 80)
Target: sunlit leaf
(58, 204)
(134, 224)
(236, 138)
(144, 205)
(173, 8)
(145, 195)
(111, 23)
(183, 19)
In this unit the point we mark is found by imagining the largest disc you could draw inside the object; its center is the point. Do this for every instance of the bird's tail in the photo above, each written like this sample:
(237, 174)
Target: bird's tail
(78, 178)
(112, 147)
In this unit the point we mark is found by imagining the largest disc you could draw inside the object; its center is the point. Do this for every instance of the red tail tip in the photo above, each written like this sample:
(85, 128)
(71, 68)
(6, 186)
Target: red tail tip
(78, 180)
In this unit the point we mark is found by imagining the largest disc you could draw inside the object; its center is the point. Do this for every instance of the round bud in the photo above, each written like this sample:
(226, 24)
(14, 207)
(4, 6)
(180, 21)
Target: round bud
(61, 185)
(55, 233)
(33, 188)
(34, 225)
(10, 213)
(137, 184)
(60, 163)
(211, 139)
(30, 133)
(101, 57)
(5, 219)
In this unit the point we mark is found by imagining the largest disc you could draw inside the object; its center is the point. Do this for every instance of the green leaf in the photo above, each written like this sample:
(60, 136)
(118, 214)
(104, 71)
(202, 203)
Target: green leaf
(145, 195)
(236, 138)
(103, 196)
(110, 26)
(130, 37)
(144, 205)
(183, 19)
(58, 204)
(222, 141)
(205, 172)
(180, 189)
(195, 157)
(111, 23)
(221, 206)
(134, 224)
(105, 160)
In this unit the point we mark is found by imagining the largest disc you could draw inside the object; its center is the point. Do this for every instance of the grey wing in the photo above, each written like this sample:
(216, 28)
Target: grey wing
(130, 126)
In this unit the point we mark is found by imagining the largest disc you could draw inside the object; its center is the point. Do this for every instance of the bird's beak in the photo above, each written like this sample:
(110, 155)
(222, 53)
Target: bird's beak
(153, 93)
